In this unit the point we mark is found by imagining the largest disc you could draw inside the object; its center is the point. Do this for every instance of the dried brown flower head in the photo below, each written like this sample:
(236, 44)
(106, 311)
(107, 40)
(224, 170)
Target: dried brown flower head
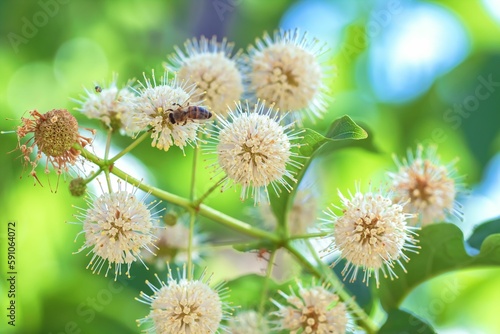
(54, 134)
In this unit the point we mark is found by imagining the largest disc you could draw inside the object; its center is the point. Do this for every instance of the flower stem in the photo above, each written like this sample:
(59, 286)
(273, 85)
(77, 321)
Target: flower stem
(202, 209)
(308, 236)
(209, 191)
(192, 213)
(130, 147)
(108, 145)
(359, 314)
(265, 287)
(192, 218)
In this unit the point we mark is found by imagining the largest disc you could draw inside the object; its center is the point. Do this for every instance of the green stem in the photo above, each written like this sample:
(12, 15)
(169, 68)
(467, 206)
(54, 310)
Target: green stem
(192, 213)
(308, 236)
(202, 209)
(190, 244)
(108, 145)
(359, 314)
(108, 181)
(208, 192)
(94, 175)
(130, 147)
(265, 287)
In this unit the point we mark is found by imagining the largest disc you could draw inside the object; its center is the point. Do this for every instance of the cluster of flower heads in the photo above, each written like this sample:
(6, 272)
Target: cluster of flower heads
(376, 229)
(283, 80)
(282, 77)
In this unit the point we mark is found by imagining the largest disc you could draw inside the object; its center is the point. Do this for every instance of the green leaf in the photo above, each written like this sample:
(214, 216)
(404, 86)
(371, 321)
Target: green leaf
(399, 322)
(345, 128)
(357, 289)
(366, 144)
(311, 142)
(442, 251)
(482, 231)
(246, 290)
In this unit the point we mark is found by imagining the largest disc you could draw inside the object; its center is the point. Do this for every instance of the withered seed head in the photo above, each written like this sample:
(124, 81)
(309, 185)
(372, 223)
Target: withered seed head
(56, 132)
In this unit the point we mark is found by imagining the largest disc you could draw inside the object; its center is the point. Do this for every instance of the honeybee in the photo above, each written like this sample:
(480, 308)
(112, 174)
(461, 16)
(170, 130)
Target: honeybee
(98, 89)
(192, 113)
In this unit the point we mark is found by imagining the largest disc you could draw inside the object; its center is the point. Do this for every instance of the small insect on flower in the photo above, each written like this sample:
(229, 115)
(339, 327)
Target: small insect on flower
(429, 186)
(170, 110)
(189, 113)
(210, 65)
(285, 70)
(111, 105)
(315, 310)
(55, 134)
(253, 150)
(372, 233)
(185, 306)
(117, 226)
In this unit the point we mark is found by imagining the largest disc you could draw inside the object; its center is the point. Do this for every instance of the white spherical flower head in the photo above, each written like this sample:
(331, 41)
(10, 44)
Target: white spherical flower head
(211, 66)
(117, 226)
(248, 322)
(429, 186)
(314, 310)
(286, 70)
(372, 234)
(184, 306)
(109, 104)
(159, 104)
(254, 150)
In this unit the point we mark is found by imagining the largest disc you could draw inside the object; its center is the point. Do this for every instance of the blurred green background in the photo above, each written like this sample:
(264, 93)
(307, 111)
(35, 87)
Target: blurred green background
(411, 71)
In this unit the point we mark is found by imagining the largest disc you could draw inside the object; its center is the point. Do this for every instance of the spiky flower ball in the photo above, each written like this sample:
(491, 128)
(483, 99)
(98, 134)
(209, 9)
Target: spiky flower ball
(112, 106)
(253, 149)
(154, 107)
(185, 306)
(213, 68)
(248, 322)
(285, 70)
(314, 310)
(117, 226)
(54, 135)
(429, 186)
(372, 233)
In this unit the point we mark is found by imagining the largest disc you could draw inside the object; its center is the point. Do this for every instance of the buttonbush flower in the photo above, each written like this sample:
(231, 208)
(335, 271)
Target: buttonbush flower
(285, 70)
(313, 310)
(210, 65)
(112, 106)
(153, 108)
(185, 306)
(372, 233)
(117, 226)
(253, 150)
(53, 134)
(429, 186)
